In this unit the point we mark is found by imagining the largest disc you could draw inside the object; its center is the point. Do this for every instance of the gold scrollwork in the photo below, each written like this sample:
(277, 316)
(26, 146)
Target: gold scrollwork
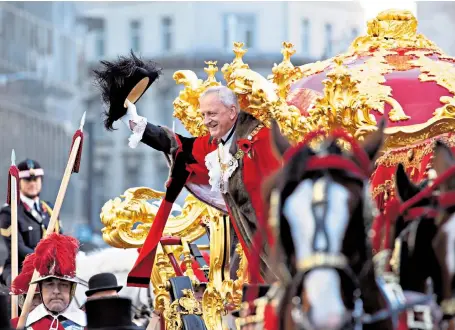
(342, 105)
(186, 305)
(442, 73)
(121, 217)
(370, 78)
(186, 105)
(260, 97)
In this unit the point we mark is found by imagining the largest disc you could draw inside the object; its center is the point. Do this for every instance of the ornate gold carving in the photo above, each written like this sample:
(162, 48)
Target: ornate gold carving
(400, 155)
(213, 306)
(119, 218)
(392, 29)
(400, 62)
(186, 105)
(384, 188)
(186, 305)
(342, 105)
(172, 317)
(237, 63)
(285, 73)
(442, 73)
(189, 303)
(259, 97)
(370, 78)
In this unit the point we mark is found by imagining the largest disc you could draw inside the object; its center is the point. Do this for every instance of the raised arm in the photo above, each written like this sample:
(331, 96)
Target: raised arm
(157, 137)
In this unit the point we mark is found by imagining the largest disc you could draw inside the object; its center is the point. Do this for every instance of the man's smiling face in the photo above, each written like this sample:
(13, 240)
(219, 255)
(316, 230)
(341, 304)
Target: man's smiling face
(218, 118)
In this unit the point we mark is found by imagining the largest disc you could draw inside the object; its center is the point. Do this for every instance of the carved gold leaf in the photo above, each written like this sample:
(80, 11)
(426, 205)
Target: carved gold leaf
(442, 73)
(342, 105)
(370, 78)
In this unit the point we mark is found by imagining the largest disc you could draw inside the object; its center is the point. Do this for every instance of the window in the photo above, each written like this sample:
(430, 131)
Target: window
(328, 40)
(135, 28)
(166, 32)
(306, 37)
(239, 28)
(99, 42)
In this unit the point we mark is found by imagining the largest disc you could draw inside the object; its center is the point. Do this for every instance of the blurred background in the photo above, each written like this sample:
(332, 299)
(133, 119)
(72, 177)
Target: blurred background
(49, 49)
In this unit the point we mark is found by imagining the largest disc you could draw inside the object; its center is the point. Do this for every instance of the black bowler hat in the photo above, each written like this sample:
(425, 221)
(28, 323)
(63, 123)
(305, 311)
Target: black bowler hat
(102, 282)
(126, 78)
(110, 313)
(29, 169)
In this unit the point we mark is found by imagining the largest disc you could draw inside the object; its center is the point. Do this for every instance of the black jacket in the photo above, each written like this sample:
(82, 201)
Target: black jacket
(30, 229)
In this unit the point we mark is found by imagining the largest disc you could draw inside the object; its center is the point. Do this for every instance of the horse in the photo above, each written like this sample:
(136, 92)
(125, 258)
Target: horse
(119, 262)
(424, 247)
(323, 214)
(413, 260)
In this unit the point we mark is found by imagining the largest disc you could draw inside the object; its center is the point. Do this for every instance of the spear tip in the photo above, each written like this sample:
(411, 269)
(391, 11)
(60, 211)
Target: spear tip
(13, 157)
(82, 121)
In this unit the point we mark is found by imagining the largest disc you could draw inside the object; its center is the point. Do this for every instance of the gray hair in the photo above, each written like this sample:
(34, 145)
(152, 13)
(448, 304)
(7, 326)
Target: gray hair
(225, 94)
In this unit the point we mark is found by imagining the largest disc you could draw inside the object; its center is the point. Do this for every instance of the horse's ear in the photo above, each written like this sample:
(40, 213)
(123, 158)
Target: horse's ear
(405, 188)
(373, 142)
(279, 142)
(443, 158)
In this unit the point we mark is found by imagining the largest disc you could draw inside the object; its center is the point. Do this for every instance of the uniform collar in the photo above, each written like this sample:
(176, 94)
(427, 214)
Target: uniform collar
(28, 201)
(72, 313)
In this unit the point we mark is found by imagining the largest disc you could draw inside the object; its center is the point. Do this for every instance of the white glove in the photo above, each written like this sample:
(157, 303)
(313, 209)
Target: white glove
(135, 123)
(131, 114)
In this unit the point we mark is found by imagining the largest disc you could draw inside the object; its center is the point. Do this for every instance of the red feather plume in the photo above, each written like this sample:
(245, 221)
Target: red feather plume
(22, 281)
(56, 255)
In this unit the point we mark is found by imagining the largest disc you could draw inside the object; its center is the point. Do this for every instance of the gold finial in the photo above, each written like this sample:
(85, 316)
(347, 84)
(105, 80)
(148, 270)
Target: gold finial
(239, 51)
(284, 74)
(287, 51)
(211, 70)
(393, 23)
(392, 29)
(237, 63)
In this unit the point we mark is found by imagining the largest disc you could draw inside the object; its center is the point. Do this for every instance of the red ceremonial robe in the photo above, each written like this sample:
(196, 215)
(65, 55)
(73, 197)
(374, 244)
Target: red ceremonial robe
(243, 201)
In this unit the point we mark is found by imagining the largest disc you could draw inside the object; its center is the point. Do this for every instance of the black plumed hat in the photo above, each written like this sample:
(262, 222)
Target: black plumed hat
(126, 78)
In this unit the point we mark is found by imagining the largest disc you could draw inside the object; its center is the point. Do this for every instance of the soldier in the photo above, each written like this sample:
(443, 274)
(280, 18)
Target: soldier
(55, 261)
(33, 215)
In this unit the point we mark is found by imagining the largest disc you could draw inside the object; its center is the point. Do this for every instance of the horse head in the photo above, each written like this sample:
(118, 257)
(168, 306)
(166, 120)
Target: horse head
(444, 241)
(323, 214)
